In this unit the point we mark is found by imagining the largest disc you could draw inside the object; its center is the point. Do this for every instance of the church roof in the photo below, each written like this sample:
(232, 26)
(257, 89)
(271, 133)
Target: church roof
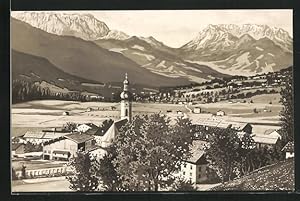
(114, 129)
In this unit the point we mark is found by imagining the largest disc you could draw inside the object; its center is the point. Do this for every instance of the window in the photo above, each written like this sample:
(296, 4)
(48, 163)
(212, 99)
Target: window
(184, 165)
(191, 167)
(200, 168)
(126, 112)
(183, 173)
(191, 174)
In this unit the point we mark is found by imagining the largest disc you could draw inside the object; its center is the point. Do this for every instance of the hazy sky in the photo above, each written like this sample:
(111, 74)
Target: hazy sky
(177, 27)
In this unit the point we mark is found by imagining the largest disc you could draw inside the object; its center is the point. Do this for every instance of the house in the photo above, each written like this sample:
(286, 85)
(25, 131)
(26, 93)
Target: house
(289, 150)
(18, 148)
(220, 113)
(38, 137)
(86, 127)
(265, 141)
(194, 169)
(272, 133)
(197, 110)
(64, 147)
(108, 138)
(66, 113)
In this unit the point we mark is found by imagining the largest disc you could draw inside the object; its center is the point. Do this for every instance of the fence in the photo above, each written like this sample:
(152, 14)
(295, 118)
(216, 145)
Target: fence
(40, 172)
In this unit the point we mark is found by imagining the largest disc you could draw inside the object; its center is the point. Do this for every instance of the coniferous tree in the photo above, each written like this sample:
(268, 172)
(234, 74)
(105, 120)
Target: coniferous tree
(222, 153)
(287, 112)
(84, 170)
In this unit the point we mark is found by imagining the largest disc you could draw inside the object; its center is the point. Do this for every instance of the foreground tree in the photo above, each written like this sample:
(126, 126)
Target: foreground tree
(287, 112)
(106, 171)
(84, 176)
(181, 184)
(150, 150)
(223, 152)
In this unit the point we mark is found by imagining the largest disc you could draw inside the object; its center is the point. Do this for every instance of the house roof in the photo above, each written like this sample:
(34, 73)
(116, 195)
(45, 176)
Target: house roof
(197, 151)
(15, 146)
(52, 135)
(44, 134)
(91, 125)
(78, 138)
(34, 134)
(265, 139)
(212, 121)
(269, 131)
(289, 147)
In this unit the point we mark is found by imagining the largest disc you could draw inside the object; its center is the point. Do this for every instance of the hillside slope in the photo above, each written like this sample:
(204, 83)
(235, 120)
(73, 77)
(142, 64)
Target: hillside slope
(277, 177)
(83, 58)
(37, 69)
(159, 59)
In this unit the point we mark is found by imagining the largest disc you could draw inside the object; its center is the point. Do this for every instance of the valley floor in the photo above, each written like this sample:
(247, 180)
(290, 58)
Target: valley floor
(37, 115)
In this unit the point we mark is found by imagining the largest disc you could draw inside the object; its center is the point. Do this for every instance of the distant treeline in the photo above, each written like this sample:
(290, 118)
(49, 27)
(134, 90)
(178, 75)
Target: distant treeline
(26, 91)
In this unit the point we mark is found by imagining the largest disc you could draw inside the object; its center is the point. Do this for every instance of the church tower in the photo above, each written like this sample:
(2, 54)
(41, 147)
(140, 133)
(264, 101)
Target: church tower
(126, 99)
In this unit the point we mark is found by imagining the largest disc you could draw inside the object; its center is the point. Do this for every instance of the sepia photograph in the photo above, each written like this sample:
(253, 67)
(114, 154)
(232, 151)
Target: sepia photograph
(152, 101)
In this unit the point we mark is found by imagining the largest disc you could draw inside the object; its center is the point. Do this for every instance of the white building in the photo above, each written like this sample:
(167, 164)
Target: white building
(194, 169)
(197, 110)
(289, 150)
(220, 113)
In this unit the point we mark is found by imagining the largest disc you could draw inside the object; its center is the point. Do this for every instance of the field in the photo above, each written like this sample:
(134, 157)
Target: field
(38, 115)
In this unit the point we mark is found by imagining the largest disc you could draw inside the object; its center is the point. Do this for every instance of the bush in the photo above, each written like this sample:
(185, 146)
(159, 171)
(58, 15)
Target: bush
(181, 184)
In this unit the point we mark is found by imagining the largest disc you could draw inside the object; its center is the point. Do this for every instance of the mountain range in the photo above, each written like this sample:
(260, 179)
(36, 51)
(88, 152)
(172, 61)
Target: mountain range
(73, 42)
(239, 50)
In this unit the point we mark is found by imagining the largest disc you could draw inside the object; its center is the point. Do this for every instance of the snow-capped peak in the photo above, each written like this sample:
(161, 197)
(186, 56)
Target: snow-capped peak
(228, 32)
(84, 26)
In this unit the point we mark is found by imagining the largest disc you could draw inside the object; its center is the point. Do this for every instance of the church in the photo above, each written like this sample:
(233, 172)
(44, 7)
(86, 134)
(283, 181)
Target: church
(126, 115)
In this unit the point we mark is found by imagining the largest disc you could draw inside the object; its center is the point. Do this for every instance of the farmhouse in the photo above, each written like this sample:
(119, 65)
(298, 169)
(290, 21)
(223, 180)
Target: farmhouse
(64, 147)
(197, 110)
(289, 150)
(265, 141)
(194, 169)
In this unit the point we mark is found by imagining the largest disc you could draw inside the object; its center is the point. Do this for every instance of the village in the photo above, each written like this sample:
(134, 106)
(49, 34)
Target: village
(45, 153)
